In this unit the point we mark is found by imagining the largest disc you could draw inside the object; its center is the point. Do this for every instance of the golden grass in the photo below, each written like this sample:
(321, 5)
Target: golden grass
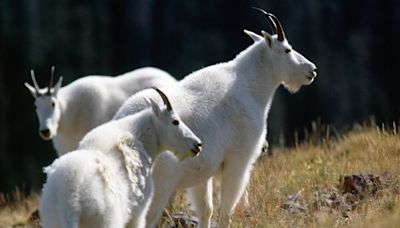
(309, 167)
(306, 168)
(15, 210)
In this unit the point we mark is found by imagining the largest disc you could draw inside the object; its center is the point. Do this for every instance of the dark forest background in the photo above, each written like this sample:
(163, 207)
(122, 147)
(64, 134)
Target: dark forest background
(353, 43)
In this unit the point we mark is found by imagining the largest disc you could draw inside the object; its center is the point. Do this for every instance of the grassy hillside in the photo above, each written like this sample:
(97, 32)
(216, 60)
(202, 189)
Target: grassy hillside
(305, 185)
(352, 180)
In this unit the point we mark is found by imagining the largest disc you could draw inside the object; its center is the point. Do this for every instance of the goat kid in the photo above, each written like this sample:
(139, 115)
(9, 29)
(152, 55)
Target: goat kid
(107, 182)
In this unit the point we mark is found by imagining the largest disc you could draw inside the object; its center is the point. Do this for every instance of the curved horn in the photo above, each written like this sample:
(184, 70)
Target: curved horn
(164, 98)
(269, 19)
(280, 32)
(34, 82)
(53, 68)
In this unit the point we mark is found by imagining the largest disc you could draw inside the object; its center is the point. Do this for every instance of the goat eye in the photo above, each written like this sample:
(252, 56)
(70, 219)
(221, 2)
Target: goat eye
(52, 104)
(288, 50)
(175, 122)
(34, 106)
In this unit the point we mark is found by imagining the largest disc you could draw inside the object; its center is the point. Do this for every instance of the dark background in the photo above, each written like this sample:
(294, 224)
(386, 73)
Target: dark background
(353, 43)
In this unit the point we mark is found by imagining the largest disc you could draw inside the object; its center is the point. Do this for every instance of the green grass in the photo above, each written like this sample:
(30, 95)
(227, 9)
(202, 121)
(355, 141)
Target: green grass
(310, 167)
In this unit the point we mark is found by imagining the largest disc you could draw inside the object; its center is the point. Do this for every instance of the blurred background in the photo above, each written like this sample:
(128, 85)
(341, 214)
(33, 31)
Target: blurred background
(353, 43)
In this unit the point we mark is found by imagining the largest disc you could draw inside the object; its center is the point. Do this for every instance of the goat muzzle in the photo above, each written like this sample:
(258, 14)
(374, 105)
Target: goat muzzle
(196, 149)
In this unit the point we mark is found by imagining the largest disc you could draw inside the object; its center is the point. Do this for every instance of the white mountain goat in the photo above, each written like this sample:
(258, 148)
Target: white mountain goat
(107, 181)
(67, 113)
(226, 105)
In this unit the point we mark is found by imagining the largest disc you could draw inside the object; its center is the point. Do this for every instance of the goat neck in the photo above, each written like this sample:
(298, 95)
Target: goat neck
(66, 112)
(255, 75)
(143, 129)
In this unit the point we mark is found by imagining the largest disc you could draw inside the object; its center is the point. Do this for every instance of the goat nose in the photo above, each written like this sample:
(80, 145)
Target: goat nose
(197, 148)
(314, 71)
(45, 133)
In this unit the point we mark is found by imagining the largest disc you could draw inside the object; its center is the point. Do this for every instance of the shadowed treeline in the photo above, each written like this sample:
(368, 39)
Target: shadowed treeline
(353, 43)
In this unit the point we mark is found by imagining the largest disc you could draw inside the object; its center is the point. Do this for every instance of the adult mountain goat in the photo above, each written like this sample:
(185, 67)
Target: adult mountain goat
(226, 105)
(67, 113)
(107, 182)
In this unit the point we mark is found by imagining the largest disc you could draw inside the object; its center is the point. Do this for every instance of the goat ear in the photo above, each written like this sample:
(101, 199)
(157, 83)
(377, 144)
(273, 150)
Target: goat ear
(57, 86)
(31, 89)
(268, 38)
(255, 37)
(154, 106)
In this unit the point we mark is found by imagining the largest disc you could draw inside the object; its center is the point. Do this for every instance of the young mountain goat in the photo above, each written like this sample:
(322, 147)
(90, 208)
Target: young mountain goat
(107, 181)
(226, 105)
(67, 113)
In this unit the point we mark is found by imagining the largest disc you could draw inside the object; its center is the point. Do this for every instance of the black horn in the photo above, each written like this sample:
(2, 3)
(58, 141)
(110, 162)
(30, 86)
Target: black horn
(280, 32)
(164, 98)
(34, 82)
(274, 23)
(53, 68)
(269, 19)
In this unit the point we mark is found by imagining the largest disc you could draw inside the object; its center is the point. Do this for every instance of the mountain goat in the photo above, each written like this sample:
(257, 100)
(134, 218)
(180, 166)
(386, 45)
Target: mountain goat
(107, 182)
(67, 113)
(226, 104)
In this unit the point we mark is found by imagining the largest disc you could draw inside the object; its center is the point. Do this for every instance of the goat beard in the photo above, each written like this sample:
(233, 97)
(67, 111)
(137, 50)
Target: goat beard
(291, 88)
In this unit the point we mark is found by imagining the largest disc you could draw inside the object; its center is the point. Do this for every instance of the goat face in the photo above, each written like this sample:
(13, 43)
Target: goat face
(289, 67)
(48, 113)
(173, 134)
(47, 106)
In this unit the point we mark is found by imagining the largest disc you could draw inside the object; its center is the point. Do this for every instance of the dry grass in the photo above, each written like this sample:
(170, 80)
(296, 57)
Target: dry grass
(15, 210)
(317, 165)
(306, 169)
